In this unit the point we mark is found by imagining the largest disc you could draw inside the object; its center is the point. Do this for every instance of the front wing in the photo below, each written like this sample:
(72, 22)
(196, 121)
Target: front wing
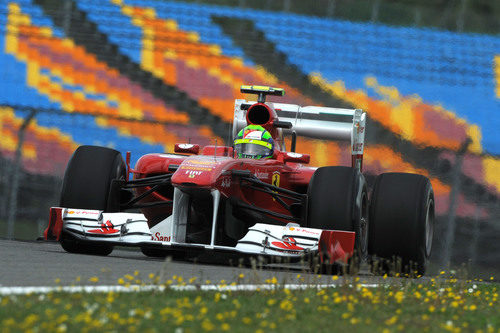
(266, 240)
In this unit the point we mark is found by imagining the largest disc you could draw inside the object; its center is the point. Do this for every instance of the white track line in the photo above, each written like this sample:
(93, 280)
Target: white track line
(5, 291)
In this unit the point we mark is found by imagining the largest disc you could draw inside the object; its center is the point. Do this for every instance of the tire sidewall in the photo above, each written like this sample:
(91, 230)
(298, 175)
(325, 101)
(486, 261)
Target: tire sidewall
(353, 189)
(426, 211)
(86, 185)
(400, 205)
(87, 180)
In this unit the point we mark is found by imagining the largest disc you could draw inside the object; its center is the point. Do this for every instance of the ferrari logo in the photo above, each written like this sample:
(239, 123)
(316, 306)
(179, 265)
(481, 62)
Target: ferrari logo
(276, 179)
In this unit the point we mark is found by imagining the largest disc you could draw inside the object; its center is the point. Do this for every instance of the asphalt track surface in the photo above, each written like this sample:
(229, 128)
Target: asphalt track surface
(39, 263)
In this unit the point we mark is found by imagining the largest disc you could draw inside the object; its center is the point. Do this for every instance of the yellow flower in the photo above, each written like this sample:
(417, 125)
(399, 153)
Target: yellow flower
(203, 310)
(225, 327)
(391, 321)
(62, 318)
(207, 325)
(94, 279)
(286, 305)
(246, 320)
(335, 277)
(31, 319)
(271, 301)
(399, 296)
(472, 307)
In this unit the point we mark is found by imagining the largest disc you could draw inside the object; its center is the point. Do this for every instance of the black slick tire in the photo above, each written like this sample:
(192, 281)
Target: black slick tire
(401, 223)
(337, 200)
(86, 185)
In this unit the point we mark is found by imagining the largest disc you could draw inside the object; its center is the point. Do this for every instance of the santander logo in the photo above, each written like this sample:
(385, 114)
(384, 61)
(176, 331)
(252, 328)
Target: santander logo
(160, 238)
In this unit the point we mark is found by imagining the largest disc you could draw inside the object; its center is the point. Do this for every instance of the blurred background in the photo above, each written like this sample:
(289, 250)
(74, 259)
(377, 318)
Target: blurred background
(141, 75)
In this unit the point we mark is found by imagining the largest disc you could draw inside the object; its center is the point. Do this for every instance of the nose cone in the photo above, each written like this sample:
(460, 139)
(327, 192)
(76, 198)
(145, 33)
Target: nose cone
(199, 171)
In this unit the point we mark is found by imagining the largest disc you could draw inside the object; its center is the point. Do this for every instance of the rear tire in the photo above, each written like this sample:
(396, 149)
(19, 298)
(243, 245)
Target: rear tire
(337, 200)
(401, 223)
(86, 185)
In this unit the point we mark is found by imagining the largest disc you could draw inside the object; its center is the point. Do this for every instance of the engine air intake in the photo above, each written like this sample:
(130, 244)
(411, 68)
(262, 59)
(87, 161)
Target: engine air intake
(258, 114)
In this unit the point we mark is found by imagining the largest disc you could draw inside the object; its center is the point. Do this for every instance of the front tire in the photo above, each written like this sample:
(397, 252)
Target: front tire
(337, 200)
(86, 185)
(401, 223)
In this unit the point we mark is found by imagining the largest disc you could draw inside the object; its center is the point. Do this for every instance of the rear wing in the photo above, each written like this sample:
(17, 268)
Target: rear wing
(315, 122)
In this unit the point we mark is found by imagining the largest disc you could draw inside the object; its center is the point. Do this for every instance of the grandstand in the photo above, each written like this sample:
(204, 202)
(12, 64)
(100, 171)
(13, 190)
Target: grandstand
(141, 75)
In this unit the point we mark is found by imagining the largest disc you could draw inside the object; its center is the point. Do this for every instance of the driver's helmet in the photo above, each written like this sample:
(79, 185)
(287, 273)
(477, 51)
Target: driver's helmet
(254, 142)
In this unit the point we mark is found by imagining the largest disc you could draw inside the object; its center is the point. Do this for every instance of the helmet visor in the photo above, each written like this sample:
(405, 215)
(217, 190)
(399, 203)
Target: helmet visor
(253, 148)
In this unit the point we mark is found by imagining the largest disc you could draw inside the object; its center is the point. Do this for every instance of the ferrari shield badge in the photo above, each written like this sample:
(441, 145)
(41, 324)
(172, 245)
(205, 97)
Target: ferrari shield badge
(275, 180)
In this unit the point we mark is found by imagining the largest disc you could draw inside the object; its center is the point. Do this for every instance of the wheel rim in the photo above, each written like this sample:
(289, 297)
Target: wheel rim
(429, 228)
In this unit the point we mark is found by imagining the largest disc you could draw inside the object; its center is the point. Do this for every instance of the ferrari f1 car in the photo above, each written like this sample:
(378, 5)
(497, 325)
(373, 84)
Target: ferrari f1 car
(217, 202)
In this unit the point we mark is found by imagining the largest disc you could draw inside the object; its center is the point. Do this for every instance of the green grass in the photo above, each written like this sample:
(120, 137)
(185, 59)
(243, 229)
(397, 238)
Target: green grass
(25, 229)
(436, 305)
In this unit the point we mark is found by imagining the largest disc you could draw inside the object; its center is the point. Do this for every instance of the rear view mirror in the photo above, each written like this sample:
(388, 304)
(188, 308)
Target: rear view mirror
(187, 148)
(296, 158)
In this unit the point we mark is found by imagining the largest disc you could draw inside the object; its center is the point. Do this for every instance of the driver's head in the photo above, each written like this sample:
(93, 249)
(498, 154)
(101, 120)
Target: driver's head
(254, 142)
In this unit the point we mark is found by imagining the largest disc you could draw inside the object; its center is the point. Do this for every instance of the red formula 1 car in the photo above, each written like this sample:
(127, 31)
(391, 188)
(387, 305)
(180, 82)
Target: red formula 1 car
(217, 202)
